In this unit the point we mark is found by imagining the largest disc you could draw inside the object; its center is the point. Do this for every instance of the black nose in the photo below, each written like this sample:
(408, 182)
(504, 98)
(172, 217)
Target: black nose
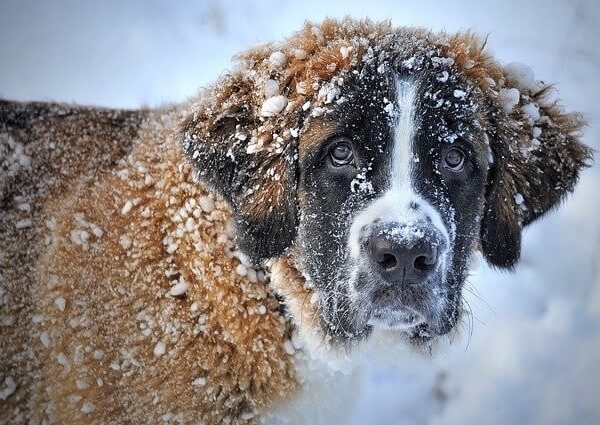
(405, 260)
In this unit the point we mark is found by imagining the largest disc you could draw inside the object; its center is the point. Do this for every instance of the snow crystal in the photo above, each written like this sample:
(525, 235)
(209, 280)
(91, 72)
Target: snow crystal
(127, 207)
(317, 112)
(491, 82)
(531, 110)
(45, 338)
(536, 132)
(125, 242)
(345, 51)
(22, 224)
(171, 248)
(273, 106)
(261, 309)
(521, 75)
(81, 384)
(278, 59)
(328, 93)
(207, 204)
(160, 348)
(88, 407)
(438, 61)
(241, 270)
(361, 184)
(9, 388)
(98, 232)
(190, 225)
(519, 199)
(180, 288)
(271, 88)
(61, 303)
(62, 359)
(299, 54)
(98, 354)
(509, 98)
(443, 76)
(79, 237)
(459, 94)
(306, 105)
(199, 382)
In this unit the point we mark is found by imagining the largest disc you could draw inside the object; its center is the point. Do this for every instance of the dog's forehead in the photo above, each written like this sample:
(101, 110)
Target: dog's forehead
(446, 105)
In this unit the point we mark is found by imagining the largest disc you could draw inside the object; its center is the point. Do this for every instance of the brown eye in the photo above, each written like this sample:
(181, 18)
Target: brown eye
(341, 154)
(454, 159)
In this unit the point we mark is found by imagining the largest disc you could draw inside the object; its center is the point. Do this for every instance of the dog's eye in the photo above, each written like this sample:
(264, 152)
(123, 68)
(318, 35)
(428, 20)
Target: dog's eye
(341, 154)
(454, 159)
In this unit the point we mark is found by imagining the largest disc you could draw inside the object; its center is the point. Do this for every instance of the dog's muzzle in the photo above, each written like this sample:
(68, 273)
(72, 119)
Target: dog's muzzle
(400, 260)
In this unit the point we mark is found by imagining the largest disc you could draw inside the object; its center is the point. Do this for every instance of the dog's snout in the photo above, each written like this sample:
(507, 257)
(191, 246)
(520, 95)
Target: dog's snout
(402, 255)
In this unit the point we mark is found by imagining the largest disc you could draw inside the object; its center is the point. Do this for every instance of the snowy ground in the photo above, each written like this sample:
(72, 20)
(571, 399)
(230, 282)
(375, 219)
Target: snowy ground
(535, 344)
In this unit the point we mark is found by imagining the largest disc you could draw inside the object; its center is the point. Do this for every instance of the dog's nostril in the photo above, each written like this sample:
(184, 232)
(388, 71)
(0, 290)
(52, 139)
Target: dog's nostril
(388, 262)
(424, 262)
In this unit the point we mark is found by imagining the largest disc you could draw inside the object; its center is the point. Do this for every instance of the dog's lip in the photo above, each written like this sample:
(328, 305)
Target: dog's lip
(400, 317)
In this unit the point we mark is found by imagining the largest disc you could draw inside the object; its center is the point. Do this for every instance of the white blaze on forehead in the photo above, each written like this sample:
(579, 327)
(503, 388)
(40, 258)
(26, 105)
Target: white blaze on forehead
(402, 152)
(395, 206)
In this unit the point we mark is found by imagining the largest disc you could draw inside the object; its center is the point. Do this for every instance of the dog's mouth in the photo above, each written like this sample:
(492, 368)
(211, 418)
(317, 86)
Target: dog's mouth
(399, 306)
(401, 318)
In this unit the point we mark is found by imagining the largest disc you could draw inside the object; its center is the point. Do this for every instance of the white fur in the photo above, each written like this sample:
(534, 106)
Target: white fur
(394, 205)
(330, 384)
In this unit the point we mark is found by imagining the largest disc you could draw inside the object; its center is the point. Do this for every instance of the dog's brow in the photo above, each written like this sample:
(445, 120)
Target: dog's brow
(316, 132)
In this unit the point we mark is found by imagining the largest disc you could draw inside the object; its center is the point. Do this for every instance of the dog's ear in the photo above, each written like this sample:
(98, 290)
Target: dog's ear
(240, 154)
(537, 158)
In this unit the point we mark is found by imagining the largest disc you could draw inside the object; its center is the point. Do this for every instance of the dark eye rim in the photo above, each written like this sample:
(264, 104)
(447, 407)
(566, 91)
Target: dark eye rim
(455, 168)
(337, 142)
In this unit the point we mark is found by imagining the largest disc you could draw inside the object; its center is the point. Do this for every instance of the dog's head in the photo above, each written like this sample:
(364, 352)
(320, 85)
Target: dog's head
(368, 164)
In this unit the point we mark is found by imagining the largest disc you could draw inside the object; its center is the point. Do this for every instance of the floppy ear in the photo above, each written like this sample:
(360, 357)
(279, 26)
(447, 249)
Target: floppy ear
(537, 160)
(244, 158)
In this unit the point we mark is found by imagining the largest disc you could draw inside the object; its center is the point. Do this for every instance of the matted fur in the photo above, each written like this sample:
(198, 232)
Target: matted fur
(107, 219)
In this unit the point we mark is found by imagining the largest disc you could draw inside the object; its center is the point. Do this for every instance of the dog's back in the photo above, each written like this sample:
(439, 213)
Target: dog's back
(45, 150)
(122, 297)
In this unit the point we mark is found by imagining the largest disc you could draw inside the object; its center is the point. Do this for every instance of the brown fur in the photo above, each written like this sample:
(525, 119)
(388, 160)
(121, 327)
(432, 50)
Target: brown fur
(114, 286)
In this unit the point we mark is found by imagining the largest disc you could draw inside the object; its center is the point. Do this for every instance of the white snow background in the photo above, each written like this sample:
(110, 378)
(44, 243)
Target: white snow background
(534, 353)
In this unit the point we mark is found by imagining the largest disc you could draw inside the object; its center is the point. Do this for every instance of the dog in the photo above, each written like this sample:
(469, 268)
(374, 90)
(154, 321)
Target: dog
(196, 262)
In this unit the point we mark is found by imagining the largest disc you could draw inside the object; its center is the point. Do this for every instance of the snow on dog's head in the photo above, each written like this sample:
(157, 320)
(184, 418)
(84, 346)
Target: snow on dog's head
(366, 164)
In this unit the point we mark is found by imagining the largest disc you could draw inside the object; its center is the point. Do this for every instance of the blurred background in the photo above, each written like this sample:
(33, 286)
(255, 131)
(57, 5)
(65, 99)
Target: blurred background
(531, 353)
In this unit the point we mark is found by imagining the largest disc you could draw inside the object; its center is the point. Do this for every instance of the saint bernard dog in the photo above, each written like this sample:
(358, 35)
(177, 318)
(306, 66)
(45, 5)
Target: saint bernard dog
(213, 261)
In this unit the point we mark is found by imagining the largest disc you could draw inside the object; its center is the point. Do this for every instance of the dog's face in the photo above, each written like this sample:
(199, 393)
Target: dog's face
(391, 195)
(377, 161)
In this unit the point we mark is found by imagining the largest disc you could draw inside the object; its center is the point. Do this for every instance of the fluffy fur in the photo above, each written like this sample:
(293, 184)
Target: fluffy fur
(132, 291)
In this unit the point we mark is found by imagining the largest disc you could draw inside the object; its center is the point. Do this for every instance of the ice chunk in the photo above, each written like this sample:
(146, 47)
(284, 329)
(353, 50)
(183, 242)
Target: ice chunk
(8, 388)
(271, 88)
(273, 106)
(509, 98)
(45, 338)
(278, 59)
(160, 348)
(531, 110)
(180, 288)
(22, 224)
(88, 407)
(521, 75)
(61, 303)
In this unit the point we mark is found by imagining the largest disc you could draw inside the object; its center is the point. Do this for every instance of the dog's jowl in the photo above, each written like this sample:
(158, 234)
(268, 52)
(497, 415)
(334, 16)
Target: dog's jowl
(191, 263)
